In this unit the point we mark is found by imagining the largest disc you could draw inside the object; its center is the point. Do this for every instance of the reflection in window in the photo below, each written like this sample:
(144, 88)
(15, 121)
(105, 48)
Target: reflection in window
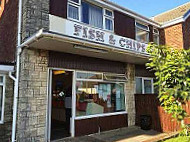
(144, 85)
(75, 1)
(147, 86)
(84, 75)
(99, 97)
(139, 85)
(156, 38)
(142, 33)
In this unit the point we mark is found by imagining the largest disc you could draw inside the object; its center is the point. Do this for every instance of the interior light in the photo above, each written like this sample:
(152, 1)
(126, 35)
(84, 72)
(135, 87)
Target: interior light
(58, 72)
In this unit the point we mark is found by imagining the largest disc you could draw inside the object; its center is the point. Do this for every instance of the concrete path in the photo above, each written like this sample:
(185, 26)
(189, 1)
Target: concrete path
(129, 134)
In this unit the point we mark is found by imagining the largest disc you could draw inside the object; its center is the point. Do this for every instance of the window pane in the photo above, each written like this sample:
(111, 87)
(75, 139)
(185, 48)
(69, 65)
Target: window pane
(115, 77)
(1, 101)
(81, 75)
(92, 15)
(109, 24)
(156, 39)
(109, 13)
(73, 12)
(142, 36)
(1, 79)
(147, 86)
(76, 1)
(99, 98)
(138, 85)
(156, 31)
(142, 26)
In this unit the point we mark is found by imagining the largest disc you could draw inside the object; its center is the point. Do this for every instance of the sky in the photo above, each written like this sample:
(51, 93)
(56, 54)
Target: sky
(150, 8)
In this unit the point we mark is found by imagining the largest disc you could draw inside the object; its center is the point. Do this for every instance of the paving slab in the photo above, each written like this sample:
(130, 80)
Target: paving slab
(129, 134)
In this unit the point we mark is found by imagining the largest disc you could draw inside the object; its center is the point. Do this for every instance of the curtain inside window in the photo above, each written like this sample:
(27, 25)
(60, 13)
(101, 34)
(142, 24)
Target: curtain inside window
(73, 12)
(92, 15)
(109, 24)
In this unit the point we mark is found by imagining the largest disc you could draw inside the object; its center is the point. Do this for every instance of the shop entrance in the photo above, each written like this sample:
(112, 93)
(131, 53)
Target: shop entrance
(61, 110)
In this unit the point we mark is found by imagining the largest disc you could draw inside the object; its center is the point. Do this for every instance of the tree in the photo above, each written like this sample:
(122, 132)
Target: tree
(172, 71)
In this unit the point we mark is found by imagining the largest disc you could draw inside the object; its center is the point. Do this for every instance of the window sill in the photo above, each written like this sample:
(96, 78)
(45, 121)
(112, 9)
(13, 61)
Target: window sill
(100, 115)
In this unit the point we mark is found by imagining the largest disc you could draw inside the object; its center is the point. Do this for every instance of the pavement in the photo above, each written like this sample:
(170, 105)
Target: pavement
(129, 134)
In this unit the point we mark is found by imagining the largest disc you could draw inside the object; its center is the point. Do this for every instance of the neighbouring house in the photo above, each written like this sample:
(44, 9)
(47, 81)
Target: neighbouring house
(72, 67)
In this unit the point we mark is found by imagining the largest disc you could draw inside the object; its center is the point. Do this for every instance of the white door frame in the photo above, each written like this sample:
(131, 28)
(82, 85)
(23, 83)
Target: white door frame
(49, 104)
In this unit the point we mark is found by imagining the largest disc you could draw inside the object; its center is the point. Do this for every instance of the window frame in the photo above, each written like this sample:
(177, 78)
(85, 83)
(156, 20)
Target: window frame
(156, 34)
(77, 5)
(3, 98)
(142, 83)
(146, 30)
(102, 81)
(105, 16)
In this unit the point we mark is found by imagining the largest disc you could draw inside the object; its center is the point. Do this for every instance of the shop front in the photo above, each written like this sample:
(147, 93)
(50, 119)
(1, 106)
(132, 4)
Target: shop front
(91, 78)
(85, 99)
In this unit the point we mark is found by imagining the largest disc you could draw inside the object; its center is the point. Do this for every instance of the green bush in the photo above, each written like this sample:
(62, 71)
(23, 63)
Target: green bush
(172, 71)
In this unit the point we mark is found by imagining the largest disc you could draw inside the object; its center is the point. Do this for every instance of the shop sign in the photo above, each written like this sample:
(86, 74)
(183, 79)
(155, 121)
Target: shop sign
(96, 35)
(107, 38)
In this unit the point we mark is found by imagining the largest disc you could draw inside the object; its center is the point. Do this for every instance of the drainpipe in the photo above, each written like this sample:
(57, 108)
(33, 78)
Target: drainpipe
(16, 78)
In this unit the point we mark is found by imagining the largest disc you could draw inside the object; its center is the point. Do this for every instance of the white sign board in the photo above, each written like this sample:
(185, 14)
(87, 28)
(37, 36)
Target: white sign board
(85, 32)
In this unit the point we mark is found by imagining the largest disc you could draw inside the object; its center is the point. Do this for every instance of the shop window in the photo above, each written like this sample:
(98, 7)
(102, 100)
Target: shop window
(2, 95)
(115, 77)
(156, 38)
(98, 96)
(142, 33)
(144, 85)
(91, 14)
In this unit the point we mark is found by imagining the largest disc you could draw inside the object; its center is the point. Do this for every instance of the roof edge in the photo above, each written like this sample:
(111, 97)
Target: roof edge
(177, 20)
(170, 10)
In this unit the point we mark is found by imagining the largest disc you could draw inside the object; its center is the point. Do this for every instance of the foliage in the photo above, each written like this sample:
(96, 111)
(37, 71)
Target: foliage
(179, 139)
(172, 72)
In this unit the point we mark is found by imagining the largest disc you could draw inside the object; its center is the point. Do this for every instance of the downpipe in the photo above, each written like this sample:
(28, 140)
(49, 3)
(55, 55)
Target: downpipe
(16, 87)
(16, 78)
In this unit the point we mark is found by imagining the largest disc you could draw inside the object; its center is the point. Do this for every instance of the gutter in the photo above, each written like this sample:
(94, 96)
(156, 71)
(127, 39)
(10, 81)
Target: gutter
(16, 79)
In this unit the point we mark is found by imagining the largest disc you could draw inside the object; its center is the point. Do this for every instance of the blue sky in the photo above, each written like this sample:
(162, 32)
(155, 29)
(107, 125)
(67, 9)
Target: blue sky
(150, 8)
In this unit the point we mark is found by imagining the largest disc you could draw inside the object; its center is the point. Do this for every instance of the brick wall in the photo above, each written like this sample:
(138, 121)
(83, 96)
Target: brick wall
(186, 33)
(8, 31)
(35, 17)
(6, 128)
(172, 36)
(32, 100)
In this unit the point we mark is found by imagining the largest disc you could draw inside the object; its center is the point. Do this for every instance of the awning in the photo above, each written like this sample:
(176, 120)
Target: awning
(52, 41)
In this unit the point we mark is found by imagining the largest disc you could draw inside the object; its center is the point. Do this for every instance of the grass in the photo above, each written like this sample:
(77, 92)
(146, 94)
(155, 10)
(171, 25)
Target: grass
(179, 139)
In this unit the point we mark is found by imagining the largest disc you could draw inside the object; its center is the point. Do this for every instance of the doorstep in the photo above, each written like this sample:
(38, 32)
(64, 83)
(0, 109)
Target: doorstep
(128, 134)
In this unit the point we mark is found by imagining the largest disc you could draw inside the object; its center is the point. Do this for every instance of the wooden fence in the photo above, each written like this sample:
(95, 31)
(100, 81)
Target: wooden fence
(148, 104)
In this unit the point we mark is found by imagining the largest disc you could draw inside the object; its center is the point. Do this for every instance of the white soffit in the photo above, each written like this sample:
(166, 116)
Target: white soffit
(6, 68)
